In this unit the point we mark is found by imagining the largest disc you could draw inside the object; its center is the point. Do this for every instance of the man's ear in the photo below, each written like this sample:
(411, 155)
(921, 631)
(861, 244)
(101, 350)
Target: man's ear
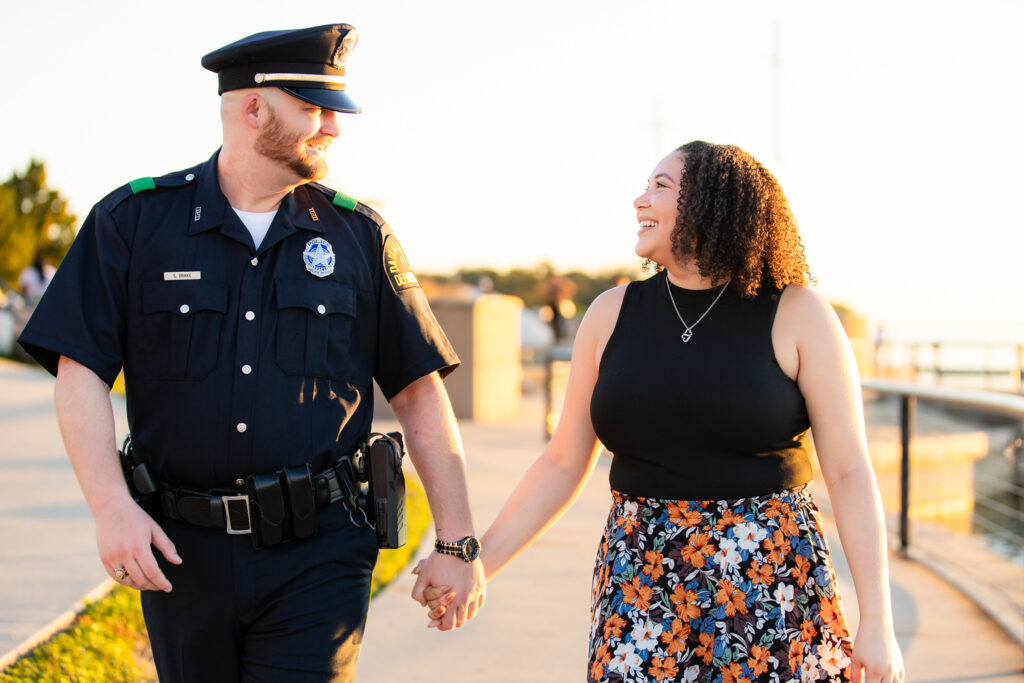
(255, 109)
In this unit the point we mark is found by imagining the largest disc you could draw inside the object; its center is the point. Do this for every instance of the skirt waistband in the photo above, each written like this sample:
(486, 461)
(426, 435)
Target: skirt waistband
(771, 504)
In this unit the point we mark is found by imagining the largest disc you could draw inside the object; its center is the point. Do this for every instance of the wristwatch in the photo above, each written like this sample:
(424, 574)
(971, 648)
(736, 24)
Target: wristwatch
(467, 549)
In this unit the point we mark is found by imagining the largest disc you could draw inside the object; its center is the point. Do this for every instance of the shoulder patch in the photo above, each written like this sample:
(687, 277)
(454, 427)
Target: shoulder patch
(142, 184)
(396, 266)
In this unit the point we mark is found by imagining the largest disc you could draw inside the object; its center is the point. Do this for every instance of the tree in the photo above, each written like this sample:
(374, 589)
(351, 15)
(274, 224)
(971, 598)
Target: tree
(34, 220)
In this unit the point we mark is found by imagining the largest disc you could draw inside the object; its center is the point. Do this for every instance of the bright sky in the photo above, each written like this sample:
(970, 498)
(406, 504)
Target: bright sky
(505, 134)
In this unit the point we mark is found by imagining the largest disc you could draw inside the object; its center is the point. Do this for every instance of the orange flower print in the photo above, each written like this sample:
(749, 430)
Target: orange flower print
(663, 668)
(807, 630)
(833, 618)
(728, 517)
(788, 525)
(601, 659)
(800, 570)
(653, 567)
(758, 660)
(732, 597)
(706, 648)
(635, 593)
(796, 654)
(777, 546)
(761, 573)
(683, 517)
(698, 550)
(674, 637)
(685, 602)
(613, 626)
(733, 673)
(628, 522)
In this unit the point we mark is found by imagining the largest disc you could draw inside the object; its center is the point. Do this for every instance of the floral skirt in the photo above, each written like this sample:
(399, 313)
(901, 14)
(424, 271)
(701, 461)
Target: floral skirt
(726, 591)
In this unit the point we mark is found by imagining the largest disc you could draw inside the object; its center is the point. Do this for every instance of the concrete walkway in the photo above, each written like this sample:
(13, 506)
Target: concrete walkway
(48, 558)
(534, 626)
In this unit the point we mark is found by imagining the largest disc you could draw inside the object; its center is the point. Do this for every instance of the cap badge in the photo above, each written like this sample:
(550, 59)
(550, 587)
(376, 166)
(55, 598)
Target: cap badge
(319, 257)
(348, 44)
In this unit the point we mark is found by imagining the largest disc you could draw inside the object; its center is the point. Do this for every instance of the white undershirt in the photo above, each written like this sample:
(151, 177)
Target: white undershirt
(257, 223)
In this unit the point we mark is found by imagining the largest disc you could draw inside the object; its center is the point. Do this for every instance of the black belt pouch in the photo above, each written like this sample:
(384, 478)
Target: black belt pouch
(266, 501)
(301, 498)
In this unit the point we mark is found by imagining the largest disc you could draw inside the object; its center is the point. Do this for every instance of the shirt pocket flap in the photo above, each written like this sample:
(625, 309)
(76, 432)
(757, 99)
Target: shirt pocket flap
(319, 298)
(184, 298)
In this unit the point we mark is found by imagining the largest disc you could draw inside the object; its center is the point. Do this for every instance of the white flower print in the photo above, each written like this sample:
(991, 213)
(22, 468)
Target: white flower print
(728, 557)
(784, 595)
(749, 535)
(625, 659)
(832, 658)
(645, 635)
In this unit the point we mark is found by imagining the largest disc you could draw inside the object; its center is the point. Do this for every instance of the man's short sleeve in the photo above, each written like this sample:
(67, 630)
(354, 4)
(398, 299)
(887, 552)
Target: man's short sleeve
(82, 313)
(410, 343)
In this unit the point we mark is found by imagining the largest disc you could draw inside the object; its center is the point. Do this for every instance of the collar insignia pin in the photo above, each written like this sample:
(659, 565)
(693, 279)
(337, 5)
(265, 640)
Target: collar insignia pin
(319, 257)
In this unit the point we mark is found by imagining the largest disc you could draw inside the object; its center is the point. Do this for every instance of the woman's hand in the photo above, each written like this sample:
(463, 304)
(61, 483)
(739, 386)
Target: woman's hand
(877, 655)
(437, 599)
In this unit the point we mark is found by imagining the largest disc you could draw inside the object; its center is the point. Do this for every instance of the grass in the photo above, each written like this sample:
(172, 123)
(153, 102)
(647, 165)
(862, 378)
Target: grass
(107, 642)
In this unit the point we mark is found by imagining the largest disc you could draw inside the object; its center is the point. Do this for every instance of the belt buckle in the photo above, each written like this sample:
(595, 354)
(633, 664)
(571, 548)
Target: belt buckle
(226, 501)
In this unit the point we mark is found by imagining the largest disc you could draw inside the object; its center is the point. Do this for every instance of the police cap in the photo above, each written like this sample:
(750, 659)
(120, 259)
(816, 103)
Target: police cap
(308, 63)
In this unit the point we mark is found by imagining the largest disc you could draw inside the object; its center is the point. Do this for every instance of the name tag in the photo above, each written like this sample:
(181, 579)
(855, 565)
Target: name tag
(183, 275)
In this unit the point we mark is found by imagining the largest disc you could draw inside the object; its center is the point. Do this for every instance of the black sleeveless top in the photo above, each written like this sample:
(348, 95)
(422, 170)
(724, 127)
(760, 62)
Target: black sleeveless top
(709, 419)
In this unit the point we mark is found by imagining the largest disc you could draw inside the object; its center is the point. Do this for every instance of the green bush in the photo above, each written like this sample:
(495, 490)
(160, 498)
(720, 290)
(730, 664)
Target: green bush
(107, 643)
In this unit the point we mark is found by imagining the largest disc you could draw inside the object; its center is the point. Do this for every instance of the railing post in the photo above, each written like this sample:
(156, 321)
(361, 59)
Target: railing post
(1018, 370)
(908, 406)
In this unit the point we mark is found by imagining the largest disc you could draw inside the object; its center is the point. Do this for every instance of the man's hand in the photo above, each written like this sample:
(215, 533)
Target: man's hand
(124, 536)
(463, 581)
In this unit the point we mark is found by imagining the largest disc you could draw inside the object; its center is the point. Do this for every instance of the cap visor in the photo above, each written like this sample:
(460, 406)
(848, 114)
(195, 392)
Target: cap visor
(336, 100)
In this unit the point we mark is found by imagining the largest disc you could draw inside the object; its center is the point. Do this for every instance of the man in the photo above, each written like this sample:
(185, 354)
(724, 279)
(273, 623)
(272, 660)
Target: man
(250, 309)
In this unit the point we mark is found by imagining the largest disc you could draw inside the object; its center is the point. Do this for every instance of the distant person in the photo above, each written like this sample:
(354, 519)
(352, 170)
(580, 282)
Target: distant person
(251, 309)
(558, 293)
(621, 279)
(704, 382)
(35, 278)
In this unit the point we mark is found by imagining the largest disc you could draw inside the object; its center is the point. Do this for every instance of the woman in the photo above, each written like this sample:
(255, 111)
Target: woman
(702, 381)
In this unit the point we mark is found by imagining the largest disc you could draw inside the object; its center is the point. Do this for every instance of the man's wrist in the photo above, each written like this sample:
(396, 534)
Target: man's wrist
(466, 548)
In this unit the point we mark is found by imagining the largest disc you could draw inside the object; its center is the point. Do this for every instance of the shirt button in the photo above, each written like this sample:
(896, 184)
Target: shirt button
(239, 481)
(321, 309)
(184, 309)
(249, 315)
(246, 369)
(255, 261)
(190, 177)
(241, 427)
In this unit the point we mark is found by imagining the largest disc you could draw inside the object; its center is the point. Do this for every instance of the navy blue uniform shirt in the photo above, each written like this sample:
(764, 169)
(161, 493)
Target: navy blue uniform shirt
(238, 360)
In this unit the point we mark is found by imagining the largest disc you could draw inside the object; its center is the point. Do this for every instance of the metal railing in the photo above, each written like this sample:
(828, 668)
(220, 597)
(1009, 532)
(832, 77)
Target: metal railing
(908, 393)
(995, 365)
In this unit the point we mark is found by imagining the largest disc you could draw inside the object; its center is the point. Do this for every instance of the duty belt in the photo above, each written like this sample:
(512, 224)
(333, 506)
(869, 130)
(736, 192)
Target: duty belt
(275, 508)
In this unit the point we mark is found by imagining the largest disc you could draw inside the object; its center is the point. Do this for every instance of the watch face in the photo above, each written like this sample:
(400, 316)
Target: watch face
(471, 548)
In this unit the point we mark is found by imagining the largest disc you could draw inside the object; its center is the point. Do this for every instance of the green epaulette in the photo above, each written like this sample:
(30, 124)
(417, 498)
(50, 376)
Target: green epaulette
(142, 184)
(344, 201)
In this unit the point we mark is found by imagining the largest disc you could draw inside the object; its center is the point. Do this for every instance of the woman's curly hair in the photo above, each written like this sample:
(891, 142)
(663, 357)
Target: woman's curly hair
(735, 221)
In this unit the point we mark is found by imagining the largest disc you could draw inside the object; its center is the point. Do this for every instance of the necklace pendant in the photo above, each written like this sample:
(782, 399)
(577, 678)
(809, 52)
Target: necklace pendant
(686, 335)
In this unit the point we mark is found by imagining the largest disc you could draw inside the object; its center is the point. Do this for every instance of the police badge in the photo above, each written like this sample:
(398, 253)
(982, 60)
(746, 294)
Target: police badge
(319, 257)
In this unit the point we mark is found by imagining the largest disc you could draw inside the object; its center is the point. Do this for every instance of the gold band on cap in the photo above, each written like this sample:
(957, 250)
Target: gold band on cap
(312, 78)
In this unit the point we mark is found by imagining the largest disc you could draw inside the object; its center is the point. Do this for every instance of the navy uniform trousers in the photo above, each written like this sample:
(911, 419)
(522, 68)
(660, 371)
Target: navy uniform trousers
(292, 612)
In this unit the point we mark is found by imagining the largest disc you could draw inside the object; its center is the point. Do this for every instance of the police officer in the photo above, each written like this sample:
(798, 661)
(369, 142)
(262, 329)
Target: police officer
(250, 308)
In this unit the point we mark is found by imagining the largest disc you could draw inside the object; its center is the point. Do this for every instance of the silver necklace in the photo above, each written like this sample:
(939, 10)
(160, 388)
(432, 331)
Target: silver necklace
(688, 329)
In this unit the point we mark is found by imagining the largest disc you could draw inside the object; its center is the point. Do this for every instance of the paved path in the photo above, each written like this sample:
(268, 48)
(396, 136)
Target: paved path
(48, 559)
(534, 627)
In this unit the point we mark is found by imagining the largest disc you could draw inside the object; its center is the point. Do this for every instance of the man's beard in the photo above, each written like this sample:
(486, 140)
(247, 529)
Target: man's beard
(277, 144)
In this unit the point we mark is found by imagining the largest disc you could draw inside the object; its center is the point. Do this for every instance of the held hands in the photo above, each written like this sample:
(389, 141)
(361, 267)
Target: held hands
(124, 534)
(453, 589)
